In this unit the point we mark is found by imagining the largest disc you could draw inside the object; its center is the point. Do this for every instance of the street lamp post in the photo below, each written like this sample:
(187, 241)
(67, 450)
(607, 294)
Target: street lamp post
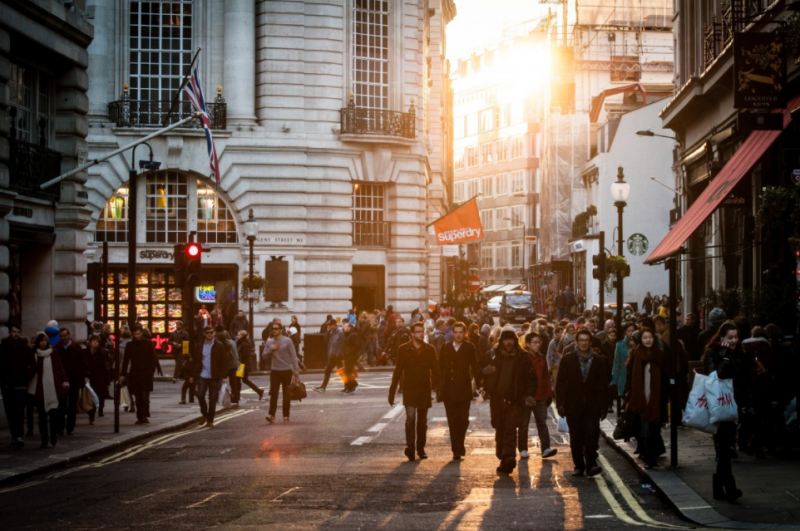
(251, 228)
(620, 191)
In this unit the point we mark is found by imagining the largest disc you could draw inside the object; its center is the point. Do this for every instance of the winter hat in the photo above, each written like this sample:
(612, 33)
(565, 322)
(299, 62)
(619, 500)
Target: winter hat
(486, 329)
(508, 331)
(53, 335)
(717, 315)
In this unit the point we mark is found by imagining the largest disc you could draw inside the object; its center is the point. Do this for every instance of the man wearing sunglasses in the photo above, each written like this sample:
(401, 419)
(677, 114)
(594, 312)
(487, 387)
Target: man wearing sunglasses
(210, 372)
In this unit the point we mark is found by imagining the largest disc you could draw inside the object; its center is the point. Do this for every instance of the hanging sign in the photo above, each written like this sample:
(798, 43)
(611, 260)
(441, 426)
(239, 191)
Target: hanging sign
(759, 71)
(461, 225)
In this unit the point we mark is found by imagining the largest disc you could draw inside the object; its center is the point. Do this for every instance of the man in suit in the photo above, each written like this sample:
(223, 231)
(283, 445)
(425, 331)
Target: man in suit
(458, 363)
(418, 368)
(581, 397)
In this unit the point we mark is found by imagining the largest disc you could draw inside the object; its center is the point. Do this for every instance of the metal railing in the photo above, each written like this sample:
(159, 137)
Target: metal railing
(30, 166)
(140, 113)
(359, 121)
(711, 41)
(371, 234)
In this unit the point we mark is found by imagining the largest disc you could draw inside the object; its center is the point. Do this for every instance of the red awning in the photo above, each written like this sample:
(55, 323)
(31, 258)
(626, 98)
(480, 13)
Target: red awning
(737, 167)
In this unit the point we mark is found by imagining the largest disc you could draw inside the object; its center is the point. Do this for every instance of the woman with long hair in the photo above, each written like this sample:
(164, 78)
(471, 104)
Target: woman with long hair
(648, 384)
(724, 355)
(48, 387)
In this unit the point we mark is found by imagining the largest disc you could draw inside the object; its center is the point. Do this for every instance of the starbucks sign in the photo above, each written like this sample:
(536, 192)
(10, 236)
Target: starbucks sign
(638, 244)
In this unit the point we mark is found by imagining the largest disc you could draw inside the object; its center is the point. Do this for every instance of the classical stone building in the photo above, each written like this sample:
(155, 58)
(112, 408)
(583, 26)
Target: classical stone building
(43, 127)
(329, 119)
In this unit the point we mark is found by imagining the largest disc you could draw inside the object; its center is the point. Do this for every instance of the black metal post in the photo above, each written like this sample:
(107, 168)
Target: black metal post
(132, 220)
(620, 251)
(251, 240)
(602, 293)
(674, 408)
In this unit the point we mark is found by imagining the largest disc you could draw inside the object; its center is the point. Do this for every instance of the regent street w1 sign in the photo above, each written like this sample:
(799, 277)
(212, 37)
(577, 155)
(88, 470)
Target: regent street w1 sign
(759, 71)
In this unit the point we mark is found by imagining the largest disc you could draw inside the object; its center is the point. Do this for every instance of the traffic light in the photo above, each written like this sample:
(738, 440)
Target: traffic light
(458, 274)
(179, 263)
(599, 271)
(464, 276)
(193, 259)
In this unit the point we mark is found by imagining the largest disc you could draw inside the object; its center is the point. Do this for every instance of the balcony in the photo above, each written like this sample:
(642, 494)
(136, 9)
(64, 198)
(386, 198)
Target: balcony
(359, 121)
(30, 166)
(371, 233)
(140, 113)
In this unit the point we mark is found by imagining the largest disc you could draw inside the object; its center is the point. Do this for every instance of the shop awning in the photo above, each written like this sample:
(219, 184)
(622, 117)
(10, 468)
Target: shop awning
(493, 287)
(737, 167)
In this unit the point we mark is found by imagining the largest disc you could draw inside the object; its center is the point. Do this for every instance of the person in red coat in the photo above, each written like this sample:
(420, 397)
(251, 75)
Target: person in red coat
(49, 388)
(543, 399)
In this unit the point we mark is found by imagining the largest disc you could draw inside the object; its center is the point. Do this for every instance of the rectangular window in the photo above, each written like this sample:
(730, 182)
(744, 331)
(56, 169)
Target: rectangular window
(487, 258)
(501, 255)
(112, 225)
(31, 103)
(487, 188)
(167, 206)
(501, 218)
(472, 124)
(215, 222)
(459, 126)
(517, 216)
(472, 157)
(160, 49)
(502, 150)
(487, 219)
(517, 147)
(518, 182)
(501, 184)
(487, 157)
(458, 192)
(516, 254)
(473, 188)
(371, 54)
(486, 120)
(369, 227)
(503, 115)
(458, 159)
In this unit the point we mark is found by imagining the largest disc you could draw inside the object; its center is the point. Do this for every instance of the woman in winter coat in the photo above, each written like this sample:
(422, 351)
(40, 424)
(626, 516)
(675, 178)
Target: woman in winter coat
(97, 359)
(48, 387)
(648, 385)
(543, 397)
(474, 337)
(724, 355)
(619, 372)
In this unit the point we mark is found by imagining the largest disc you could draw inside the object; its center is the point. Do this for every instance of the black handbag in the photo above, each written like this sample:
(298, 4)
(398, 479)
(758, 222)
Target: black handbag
(297, 390)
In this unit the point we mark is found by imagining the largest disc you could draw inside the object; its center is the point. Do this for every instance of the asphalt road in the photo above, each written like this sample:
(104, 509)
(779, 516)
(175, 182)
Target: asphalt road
(338, 464)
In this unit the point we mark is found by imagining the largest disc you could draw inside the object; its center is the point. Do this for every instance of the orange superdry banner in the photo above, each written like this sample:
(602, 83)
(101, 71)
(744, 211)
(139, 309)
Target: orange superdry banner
(461, 225)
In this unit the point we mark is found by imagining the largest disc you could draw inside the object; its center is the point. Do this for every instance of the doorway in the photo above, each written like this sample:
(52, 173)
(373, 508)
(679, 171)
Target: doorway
(369, 288)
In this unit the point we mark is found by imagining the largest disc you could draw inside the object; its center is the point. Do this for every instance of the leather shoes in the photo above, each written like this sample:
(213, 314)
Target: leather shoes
(578, 472)
(410, 454)
(423, 455)
(593, 471)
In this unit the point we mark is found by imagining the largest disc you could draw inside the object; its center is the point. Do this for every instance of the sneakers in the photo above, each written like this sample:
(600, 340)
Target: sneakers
(286, 419)
(209, 425)
(270, 419)
(523, 454)
(550, 452)
(320, 390)
(202, 422)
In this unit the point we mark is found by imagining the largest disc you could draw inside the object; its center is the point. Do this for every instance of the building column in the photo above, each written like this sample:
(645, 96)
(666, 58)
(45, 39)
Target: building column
(71, 216)
(240, 61)
(6, 197)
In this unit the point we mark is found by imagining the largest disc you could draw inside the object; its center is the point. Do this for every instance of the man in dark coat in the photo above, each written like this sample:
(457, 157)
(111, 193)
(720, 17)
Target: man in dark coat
(238, 323)
(458, 364)
(688, 335)
(138, 367)
(74, 360)
(581, 397)
(510, 384)
(176, 340)
(400, 336)
(715, 319)
(210, 372)
(417, 366)
(17, 367)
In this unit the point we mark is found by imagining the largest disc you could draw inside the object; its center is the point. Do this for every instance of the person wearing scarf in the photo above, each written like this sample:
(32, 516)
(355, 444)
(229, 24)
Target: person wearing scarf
(49, 388)
(648, 394)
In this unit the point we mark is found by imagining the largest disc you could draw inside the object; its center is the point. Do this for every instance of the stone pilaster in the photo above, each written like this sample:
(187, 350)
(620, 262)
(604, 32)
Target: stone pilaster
(240, 61)
(101, 60)
(6, 198)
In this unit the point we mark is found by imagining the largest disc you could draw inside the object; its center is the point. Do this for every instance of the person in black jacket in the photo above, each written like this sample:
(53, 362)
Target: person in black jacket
(581, 396)
(137, 369)
(97, 364)
(74, 360)
(458, 363)
(416, 364)
(510, 384)
(17, 367)
(210, 371)
(176, 339)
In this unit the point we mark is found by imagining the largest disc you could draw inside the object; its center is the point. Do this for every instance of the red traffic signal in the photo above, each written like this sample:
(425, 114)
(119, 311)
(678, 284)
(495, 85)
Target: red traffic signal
(193, 250)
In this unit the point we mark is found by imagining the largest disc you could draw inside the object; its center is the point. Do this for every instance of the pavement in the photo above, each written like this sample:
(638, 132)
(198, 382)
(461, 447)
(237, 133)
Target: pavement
(771, 487)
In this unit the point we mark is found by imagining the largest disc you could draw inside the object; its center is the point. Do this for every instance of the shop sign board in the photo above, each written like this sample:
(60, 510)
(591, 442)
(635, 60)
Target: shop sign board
(759, 77)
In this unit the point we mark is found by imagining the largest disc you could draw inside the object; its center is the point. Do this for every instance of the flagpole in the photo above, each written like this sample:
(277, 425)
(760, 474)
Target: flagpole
(183, 84)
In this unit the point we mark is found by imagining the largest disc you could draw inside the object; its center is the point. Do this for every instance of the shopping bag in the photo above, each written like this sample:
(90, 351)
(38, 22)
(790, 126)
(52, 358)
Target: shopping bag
(297, 390)
(224, 397)
(125, 396)
(696, 412)
(240, 371)
(95, 400)
(721, 404)
(85, 403)
(562, 425)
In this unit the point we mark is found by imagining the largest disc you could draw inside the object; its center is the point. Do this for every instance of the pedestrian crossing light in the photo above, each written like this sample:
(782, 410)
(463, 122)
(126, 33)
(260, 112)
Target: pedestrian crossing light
(193, 260)
(599, 263)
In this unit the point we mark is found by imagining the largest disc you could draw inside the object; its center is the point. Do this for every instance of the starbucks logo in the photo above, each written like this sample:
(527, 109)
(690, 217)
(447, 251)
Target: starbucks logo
(638, 244)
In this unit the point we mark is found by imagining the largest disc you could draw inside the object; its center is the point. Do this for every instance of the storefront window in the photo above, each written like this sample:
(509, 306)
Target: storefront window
(167, 208)
(215, 222)
(112, 226)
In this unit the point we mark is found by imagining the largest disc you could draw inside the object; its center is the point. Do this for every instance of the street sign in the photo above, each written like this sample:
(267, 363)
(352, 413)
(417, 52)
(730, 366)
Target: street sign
(473, 283)
(531, 238)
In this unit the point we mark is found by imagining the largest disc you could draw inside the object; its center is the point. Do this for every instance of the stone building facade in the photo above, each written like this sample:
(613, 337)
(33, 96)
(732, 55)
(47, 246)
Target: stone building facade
(322, 126)
(43, 129)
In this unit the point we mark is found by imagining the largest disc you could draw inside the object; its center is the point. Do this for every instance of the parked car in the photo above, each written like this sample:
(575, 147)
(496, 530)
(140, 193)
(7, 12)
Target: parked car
(518, 307)
(494, 305)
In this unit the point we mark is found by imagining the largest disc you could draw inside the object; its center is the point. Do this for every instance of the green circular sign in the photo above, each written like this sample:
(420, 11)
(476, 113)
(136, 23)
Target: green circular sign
(638, 244)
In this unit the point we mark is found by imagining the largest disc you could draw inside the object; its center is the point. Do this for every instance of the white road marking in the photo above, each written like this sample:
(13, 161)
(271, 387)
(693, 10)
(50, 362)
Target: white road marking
(377, 427)
(198, 504)
(285, 493)
(360, 441)
(143, 497)
(394, 412)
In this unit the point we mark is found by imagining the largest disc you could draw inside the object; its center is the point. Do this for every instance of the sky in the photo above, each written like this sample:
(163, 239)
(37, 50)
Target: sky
(481, 22)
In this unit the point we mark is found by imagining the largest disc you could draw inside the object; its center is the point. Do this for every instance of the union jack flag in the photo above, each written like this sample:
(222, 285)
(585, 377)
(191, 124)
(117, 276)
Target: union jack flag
(194, 91)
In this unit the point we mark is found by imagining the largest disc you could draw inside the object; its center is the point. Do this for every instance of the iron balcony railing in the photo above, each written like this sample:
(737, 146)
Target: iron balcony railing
(30, 166)
(140, 113)
(371, 233)
(359, 121)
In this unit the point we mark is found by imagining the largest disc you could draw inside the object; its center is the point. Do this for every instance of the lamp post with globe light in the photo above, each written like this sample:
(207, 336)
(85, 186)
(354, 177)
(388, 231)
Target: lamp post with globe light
(620, 191)
(251, 229)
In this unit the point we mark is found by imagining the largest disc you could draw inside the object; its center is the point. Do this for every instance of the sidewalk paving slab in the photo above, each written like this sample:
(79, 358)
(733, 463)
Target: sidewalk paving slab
(768, 502)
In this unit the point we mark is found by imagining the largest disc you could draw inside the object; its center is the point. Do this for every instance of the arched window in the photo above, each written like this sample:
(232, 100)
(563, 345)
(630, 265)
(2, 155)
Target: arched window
(174, 204)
